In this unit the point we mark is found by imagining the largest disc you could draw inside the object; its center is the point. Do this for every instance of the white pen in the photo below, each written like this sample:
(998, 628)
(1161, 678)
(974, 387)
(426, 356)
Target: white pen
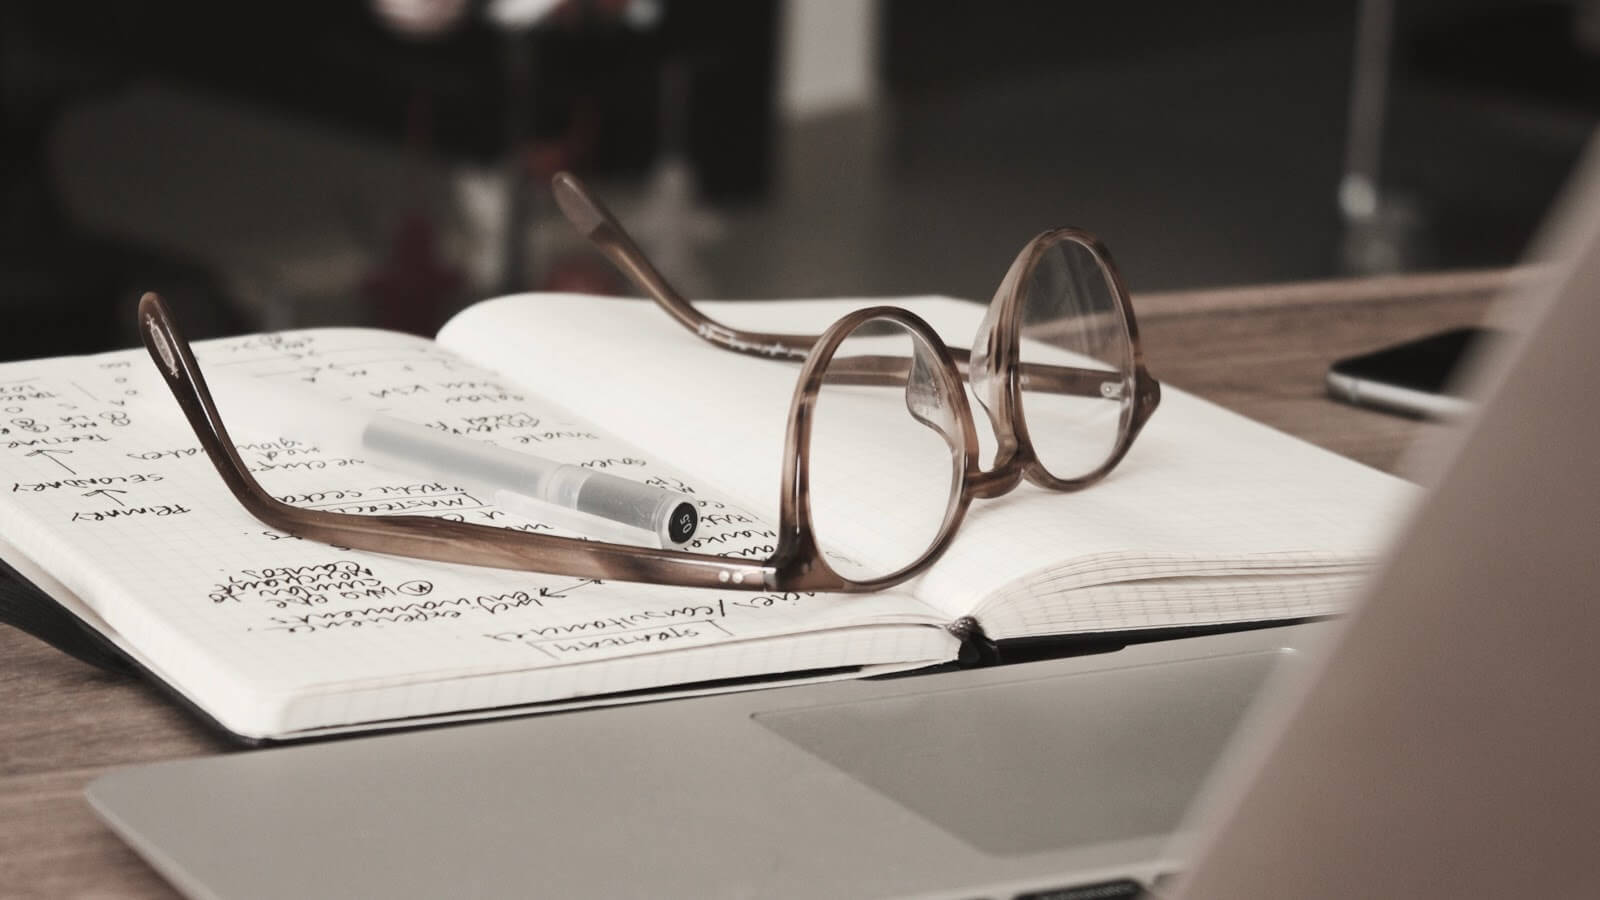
(507, 477)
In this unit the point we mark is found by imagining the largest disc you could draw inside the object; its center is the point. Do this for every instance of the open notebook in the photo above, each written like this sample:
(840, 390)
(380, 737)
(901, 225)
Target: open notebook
(1210, 519)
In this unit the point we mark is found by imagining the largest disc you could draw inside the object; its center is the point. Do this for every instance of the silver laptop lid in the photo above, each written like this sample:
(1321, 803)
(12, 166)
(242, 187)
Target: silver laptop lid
(1450, 743)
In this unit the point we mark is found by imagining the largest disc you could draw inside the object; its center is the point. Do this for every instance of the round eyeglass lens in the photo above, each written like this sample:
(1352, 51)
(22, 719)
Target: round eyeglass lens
(1076, 360)
(885, 458)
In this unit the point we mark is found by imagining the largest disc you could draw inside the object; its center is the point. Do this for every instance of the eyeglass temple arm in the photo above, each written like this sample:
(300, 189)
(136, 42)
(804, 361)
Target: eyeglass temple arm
(591, 218)
(421, 537)
(892, 370)
(595, 222)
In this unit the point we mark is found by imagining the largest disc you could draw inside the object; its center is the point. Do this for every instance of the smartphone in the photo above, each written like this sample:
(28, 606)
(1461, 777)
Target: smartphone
(1416, 378)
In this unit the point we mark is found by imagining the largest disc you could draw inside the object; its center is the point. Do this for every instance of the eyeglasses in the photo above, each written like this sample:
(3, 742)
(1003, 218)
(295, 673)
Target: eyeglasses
(881, 459)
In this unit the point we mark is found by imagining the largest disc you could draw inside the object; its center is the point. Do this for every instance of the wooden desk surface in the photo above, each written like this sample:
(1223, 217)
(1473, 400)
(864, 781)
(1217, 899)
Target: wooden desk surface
(1259, 351)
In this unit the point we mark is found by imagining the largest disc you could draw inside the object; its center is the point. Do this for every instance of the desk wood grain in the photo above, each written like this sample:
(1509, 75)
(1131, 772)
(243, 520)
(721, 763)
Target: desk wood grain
(1259, 351)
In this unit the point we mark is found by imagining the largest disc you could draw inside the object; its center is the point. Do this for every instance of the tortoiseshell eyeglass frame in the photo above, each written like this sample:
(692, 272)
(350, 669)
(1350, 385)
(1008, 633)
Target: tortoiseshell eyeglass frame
(798, 563)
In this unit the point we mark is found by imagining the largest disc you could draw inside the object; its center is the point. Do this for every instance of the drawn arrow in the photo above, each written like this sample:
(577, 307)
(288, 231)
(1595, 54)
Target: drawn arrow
(106, 493)
(51, 455)
(562, 592)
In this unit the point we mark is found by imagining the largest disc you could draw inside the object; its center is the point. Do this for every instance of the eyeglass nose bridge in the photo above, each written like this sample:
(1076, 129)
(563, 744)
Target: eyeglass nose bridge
(996, 482)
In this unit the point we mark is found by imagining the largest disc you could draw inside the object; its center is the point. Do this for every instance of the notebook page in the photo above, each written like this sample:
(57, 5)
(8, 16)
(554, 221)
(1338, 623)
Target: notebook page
(707, 410)
(1201, 487)
(110, 493)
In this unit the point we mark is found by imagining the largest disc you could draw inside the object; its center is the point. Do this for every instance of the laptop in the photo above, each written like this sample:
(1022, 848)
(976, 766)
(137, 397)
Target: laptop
(1439, 741)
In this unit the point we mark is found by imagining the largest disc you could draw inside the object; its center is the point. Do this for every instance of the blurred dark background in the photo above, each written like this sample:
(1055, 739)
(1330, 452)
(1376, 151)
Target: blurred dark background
(383, 162)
